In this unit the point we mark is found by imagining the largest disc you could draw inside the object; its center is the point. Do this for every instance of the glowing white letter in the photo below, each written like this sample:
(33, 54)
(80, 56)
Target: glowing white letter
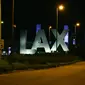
(60, 40)
(44, 44)
(23, 40)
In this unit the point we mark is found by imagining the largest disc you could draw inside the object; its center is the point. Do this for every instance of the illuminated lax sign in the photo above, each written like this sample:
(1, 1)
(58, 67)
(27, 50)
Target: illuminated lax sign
(44, 44)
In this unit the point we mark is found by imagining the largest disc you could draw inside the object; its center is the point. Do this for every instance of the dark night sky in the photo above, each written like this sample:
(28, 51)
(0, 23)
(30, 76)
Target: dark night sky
(28, 13)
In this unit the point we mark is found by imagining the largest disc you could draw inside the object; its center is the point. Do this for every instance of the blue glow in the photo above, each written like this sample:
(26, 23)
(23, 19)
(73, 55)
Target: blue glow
(9, 50)
(38, 27)
(74, 42)
(65, 27)
(66, 38)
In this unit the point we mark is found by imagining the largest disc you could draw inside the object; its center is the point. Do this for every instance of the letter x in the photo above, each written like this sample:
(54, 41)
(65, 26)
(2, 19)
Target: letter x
(60, 40)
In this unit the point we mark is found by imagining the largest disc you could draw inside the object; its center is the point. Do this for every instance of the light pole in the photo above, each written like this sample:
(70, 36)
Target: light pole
(58, 8)
(1, 40)
(76, 25)
(12, 23)
(12, 17)
(0, 29)
(49, 32)
(0, 19)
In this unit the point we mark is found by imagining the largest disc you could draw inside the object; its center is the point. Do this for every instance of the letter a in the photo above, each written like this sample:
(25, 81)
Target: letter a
(37, 43)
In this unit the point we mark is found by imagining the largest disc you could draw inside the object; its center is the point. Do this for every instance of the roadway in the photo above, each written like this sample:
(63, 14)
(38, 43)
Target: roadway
(65, 75)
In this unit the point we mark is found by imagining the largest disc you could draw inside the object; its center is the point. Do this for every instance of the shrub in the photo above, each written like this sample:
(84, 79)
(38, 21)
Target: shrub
(41, 66)
(5, 67)
(41, 58)
(19, 66)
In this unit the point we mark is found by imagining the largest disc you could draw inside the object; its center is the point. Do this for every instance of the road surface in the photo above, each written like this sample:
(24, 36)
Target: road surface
(64, 75)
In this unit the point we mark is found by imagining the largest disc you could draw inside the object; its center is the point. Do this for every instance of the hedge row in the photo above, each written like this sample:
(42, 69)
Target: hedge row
(24, 62)
(5, 67)
(40, 59)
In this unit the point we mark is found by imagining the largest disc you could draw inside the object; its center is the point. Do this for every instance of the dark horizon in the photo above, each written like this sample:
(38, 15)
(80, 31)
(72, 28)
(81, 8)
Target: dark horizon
(29, 13)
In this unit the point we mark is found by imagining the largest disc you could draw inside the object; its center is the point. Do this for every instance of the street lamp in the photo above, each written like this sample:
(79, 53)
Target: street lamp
(58, 8)
(49, 32)
(14, 26)
(2, 22)
(76, 25)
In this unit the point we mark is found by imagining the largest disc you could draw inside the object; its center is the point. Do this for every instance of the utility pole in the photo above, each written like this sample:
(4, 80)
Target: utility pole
(1, 40)
(0, 19)
(0, 29)
(12, 24)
